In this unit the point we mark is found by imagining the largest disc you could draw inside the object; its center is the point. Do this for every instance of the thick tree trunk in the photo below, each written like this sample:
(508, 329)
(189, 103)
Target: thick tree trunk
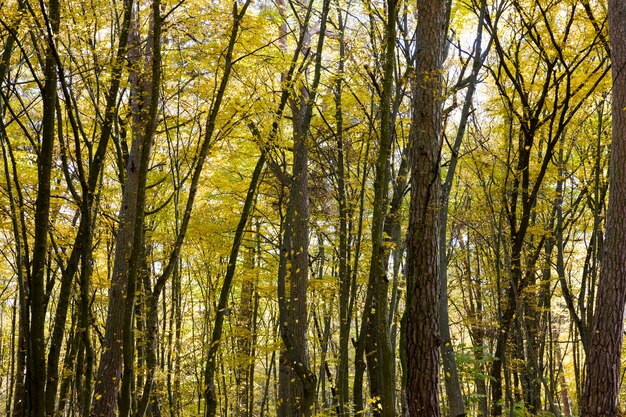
(422, 313)
(299, 260)
(603, 359)
(145, 78)
(110, 369)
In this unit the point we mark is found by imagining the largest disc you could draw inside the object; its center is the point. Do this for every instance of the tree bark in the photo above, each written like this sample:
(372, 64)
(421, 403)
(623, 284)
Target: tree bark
(603, 359)
(117, 345)
(36, 364)
(422, 313)
(378, 353)
(294, 257)
(17, 386)
(145, 80)
(344, 251)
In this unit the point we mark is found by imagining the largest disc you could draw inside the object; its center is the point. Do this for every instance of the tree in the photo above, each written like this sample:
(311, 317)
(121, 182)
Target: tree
(539, 108)
(605, 345)
(293, 273)
(422, 313)
(118, 339)
(36, 365)
(377, 337)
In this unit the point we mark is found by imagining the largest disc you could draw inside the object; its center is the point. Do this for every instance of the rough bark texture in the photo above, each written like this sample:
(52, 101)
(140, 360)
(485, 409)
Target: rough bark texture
(145, 85)
(297, 381)
(298, 265)
(422, 316)
(110, 370)
(603, 359)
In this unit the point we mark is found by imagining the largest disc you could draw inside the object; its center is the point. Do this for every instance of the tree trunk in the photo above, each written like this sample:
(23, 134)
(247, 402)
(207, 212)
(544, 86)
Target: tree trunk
(294, 307)
(562, 381)
(378, 354)
(603, 359)
(118, 340)
(36, 364)
(359, 363)
(18, 365)
(211, 392)
(294, 256)
(344, 272)
(243, 358)
(422, 314)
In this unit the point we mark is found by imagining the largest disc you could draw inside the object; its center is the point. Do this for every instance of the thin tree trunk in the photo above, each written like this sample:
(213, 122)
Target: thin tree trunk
(21, 403)
(294, 253)
(243, 347)
(359, 345)
(118, 344)
(81, 251)
(69, 362)
(11, 387)
(344, 273)
(380, 358)
(36, 364)
(562, 381)
(451, 377)
(16, 385)
(18, 366)
(250, 409)
(209, 377)
(151, 326)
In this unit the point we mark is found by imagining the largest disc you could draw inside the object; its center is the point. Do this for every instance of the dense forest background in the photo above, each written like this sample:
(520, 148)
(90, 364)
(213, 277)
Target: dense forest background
(312, 207)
